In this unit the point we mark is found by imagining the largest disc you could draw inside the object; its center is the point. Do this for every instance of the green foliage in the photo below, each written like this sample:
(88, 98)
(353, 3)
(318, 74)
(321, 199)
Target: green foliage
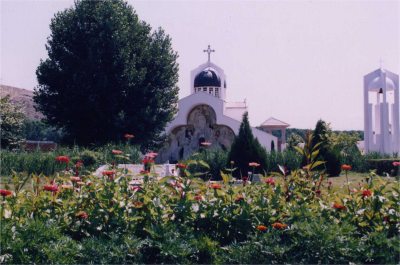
(107, 74)
(44, 162)
(40, 131)
(184, 220)
(327, 152)
(384, 167)
(245, 149)
(294, 140)
(288, 158)
(333, 161)
(216, 159)
(11, 120)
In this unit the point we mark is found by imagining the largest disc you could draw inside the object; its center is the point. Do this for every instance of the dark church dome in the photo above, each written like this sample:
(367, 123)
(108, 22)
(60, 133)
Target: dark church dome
(208, 77)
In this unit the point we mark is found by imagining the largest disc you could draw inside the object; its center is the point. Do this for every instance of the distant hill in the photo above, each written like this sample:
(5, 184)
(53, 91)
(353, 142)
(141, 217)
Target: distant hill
(22, 97)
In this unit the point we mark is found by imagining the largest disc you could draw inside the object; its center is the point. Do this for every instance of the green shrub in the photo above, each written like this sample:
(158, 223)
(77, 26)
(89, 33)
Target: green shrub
(186, 220)
(333, 165)
(215, 158)
(288, 158)
(384, 166)
(90, 158)
(38, 162)
(245, 149)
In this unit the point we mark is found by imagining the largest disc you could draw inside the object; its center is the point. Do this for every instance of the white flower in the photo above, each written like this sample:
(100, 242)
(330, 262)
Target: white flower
(195, 207)
(381, 198)
(361, 211)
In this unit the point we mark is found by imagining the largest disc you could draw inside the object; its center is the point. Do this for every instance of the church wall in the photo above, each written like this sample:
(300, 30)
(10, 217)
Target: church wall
(235, 113)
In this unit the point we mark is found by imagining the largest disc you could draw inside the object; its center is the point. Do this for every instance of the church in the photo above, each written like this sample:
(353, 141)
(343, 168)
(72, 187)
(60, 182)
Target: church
(206, 118)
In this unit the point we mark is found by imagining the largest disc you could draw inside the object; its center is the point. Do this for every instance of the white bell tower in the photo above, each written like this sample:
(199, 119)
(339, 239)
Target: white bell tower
(381, 112)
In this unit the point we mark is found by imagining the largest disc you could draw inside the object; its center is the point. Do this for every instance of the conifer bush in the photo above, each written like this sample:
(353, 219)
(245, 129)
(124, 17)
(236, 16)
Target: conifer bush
(246, 149)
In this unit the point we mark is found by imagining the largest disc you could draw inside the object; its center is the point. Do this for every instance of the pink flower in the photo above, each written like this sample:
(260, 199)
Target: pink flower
(205, 144)
(51, 187)
(128, 136)
(270, 181)
(116, 152)
(75, 179)
(346, 167)
(79, 164)
(198, 197)
(396, 163)
(254, 164)
(151, 155)
(82, 215)
(135, 188)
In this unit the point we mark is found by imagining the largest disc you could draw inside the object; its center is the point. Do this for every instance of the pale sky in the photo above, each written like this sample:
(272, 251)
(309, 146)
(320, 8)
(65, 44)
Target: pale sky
(297, 61)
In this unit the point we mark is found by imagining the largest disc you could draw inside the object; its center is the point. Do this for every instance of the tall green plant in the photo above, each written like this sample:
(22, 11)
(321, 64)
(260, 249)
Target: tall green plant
(245, 149)
(327, 152)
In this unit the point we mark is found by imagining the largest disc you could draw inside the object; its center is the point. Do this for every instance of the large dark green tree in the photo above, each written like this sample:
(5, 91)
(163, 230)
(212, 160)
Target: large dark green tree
(245, 149)
(107, 74)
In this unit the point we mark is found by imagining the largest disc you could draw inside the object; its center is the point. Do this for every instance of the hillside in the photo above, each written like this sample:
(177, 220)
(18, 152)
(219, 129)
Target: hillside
(22, 97)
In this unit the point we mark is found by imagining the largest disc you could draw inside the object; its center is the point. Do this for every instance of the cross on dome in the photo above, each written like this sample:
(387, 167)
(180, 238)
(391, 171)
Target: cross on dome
(380, 63)
(209, 51)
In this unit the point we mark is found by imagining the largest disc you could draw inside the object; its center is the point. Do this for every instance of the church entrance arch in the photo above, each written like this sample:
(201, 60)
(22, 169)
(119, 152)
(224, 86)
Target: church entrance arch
(201, 127)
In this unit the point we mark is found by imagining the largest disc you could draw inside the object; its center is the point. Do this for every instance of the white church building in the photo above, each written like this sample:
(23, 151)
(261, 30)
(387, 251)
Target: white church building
(205, 116)
(381, 112)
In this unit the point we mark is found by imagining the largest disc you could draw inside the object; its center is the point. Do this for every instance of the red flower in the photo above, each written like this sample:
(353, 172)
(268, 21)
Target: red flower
(51, 187)
(270, 181)
(62, 159)
(116, 152)
(396, 163)
(181, 166)
(318, 192)
(5, 193)
(338, 206)
(144, 171)
(128, 136)
(366, 193)
(108, 173)
(75, 179)
(198, 197)
(261, 228)
(82, 215)
(147, 161)
(254, 164)
(279, 226)
(215, 186)
(346, 167)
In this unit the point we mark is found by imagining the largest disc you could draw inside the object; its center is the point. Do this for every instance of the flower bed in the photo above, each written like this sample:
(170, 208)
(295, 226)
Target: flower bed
(181, 219)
